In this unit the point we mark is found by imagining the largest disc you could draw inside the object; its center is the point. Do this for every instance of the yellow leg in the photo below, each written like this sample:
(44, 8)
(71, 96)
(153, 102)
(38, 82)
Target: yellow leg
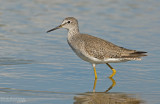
(113, 70)
(94, 67)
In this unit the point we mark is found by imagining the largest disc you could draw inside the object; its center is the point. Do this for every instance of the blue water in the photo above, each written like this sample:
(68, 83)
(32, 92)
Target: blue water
(40, 68)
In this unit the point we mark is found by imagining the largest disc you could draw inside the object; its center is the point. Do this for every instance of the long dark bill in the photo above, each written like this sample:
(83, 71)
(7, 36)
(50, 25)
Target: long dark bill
(54, 28)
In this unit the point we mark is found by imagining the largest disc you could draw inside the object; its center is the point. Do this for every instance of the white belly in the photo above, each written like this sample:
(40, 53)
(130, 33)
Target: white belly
(94, 60)
(86, 57)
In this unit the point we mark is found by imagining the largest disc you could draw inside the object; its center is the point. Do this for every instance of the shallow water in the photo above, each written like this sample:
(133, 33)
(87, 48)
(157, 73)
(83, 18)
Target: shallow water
(38, 68)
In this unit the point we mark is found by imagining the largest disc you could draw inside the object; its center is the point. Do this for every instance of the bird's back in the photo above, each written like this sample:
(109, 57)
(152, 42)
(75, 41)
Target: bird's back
(102, 49)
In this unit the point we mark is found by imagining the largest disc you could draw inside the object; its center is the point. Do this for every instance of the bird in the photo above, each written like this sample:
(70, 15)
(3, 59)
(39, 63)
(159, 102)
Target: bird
(96, 50)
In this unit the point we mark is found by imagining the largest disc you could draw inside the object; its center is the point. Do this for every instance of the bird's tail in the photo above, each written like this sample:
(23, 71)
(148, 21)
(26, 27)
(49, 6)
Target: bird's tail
(135, 55)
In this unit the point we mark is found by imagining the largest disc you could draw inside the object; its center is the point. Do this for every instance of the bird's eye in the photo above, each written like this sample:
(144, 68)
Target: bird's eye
(69, 22)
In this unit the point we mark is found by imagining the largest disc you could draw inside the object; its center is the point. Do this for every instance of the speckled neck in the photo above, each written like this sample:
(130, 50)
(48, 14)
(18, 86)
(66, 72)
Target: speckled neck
(72, 32)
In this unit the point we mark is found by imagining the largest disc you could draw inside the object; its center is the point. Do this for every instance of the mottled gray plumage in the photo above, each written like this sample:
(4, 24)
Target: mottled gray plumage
(90, 46)
(100, 48)
(93, 49)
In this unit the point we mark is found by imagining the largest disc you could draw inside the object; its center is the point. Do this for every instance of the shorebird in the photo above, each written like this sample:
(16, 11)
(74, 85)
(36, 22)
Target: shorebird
(95, 50)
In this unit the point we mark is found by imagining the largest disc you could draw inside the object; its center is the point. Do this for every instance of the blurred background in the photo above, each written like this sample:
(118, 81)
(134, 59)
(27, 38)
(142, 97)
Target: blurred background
(36, 67)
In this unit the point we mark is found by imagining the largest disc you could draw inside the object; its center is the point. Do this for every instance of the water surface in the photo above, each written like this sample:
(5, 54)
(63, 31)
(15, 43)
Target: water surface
(38, 68)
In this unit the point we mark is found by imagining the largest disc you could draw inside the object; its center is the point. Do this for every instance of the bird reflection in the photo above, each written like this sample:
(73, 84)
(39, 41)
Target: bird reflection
(113, 84)
(106, 97)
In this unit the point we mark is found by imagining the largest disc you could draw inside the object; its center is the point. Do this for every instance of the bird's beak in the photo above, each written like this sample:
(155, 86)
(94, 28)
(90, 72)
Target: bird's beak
(60, 26)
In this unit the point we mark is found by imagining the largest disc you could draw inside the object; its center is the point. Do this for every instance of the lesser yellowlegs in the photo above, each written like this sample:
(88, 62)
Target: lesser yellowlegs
(95, 50)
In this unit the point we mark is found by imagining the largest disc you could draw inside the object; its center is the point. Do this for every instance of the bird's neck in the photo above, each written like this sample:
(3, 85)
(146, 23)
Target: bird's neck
(72, 32)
